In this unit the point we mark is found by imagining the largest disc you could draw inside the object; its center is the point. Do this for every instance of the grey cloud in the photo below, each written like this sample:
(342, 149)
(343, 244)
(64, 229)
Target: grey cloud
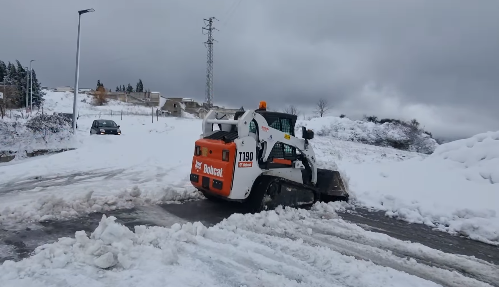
(441, 56)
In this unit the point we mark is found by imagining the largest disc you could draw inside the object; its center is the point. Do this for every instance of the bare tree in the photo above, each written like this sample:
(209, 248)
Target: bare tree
(415, 123)
(100, 96)
(322, 107)
(291, 109)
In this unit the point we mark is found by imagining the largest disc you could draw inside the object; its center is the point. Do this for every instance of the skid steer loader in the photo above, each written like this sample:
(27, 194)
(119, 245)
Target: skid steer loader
(256, 159)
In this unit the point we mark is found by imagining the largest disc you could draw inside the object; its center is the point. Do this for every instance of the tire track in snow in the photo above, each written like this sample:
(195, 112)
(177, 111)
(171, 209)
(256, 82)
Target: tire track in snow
(261, 256)
(383, 258)
(53, 181)
(468, 266)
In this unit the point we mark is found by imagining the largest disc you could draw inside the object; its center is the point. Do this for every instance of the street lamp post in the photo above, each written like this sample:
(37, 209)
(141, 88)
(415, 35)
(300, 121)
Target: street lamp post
(27, 88)
(31, 87)
(77, 73)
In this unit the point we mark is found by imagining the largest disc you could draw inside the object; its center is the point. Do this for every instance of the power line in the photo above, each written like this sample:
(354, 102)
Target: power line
(209, 69)
(231, 12)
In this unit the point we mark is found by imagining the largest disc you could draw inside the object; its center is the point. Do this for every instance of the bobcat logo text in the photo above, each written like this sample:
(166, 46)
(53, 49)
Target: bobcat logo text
(208, 169)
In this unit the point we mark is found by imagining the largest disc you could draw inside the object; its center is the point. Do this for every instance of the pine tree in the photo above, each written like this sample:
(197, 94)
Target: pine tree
(11, 74)
(11, 79)
(123, 89)
(37, 91)
(21, 79)
(129, 89)
(99, 84)
(140, 86)
(3, 71)
(117, 89)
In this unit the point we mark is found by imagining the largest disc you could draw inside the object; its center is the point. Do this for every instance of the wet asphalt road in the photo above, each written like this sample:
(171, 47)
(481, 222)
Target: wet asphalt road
(17, 242)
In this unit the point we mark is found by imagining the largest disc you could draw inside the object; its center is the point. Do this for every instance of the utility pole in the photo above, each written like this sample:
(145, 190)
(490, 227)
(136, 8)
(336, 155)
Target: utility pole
(27, 88)
(209, 69)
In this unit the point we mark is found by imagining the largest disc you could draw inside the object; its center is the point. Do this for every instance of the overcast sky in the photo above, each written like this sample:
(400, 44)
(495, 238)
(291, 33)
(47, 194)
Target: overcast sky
(433, 60)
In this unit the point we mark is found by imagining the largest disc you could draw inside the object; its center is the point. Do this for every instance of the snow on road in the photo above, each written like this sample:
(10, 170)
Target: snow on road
(286, 247)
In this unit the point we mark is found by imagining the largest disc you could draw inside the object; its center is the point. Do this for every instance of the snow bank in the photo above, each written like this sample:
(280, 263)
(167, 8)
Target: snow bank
(456, 189)
(275, 248)
(398, 135)
(53, 207)
(478, 155)
(285, 247)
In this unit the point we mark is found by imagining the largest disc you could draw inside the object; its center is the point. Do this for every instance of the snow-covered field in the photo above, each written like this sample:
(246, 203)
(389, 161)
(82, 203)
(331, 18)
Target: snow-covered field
(456, 189)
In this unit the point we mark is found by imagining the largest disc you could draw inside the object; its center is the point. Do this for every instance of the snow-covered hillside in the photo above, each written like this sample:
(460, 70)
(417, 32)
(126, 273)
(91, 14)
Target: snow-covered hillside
(398, 135)
(62, 102)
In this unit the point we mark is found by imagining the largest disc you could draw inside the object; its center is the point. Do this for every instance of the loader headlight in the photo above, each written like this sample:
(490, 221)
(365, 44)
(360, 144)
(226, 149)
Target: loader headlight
(197, 150)
(225, 155)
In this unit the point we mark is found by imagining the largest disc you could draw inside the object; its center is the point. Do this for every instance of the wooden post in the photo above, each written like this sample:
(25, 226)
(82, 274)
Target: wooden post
(152, 114)
(121, 114)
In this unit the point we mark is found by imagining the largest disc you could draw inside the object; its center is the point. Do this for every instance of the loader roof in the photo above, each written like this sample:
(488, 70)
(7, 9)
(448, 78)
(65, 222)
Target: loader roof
(270, 115)
(281, 121)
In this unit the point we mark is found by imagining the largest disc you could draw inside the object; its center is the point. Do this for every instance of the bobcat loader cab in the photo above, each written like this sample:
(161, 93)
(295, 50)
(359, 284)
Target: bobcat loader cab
(255, 158)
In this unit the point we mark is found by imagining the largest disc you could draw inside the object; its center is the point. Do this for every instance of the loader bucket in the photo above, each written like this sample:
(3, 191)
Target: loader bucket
(331, 186)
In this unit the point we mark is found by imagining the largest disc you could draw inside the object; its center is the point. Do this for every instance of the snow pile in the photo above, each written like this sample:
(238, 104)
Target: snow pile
(478, 155)
(53, 207)
(456, 189)
(398, 135)
(285, 247)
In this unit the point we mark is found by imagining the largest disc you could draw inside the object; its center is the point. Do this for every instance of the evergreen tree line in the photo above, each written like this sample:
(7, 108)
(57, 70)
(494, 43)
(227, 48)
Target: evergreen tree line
(128, 89)
(17, 76)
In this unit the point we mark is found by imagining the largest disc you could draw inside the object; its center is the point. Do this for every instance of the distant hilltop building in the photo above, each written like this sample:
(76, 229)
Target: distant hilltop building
(175, 107)
(64, 89)
(148, 99)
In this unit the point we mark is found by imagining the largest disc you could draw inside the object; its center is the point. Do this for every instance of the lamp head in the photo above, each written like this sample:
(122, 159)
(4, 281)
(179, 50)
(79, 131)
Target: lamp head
(86, 11)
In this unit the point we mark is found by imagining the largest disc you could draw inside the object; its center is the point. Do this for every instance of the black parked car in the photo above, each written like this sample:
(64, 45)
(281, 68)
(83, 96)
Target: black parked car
(105, 127)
